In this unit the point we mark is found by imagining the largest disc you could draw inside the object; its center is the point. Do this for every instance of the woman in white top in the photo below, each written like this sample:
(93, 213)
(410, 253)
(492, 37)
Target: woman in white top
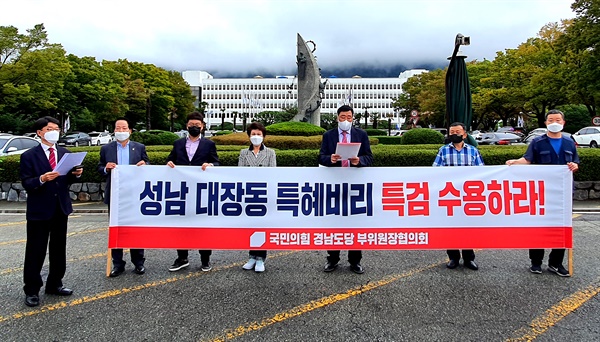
(257, 155)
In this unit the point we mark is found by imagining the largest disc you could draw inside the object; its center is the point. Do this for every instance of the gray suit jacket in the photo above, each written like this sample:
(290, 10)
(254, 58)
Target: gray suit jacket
(108, 154)
(265, 157)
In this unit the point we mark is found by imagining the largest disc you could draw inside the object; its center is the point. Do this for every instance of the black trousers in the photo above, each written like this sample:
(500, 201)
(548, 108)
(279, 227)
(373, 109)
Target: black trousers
(137, 257)
(204, 255)
(354, 257)
(467, 255)
(555, 259)
(258, 254)
(41, 235)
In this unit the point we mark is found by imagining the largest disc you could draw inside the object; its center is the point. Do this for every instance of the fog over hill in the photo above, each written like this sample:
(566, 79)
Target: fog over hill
(362, 69)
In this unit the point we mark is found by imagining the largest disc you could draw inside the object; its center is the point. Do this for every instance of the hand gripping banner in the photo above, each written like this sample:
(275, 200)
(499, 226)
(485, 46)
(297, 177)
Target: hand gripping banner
(526, 206)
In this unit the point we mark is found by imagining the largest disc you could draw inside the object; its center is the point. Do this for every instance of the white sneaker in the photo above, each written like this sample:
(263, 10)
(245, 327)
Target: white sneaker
(250, 264)
(260, 266)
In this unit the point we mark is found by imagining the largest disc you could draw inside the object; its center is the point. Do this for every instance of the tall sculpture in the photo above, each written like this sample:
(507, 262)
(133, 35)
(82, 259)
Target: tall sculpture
(310, 88)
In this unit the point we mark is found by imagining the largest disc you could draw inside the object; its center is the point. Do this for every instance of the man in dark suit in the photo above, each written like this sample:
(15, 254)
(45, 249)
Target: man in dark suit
(345, 133)
(122, 152)
(48, 207)
(198, 151)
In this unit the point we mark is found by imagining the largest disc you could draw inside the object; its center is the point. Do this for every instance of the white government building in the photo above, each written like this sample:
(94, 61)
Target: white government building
(253, 95)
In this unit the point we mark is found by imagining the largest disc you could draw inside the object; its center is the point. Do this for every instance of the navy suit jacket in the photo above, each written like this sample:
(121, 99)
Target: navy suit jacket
(44, 199)
(206, 153)
(108, 154)
(329, 144)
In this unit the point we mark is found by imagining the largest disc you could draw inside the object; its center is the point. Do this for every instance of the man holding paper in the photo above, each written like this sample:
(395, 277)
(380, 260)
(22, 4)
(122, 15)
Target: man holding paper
(357, 154)
(48, 207)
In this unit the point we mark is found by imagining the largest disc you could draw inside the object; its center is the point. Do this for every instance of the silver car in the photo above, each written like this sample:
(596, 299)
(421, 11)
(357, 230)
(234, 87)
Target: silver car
(15, 144)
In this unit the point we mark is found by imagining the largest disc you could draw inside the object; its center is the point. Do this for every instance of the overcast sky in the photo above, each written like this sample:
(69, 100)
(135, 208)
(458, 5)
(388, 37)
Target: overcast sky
(240, 36)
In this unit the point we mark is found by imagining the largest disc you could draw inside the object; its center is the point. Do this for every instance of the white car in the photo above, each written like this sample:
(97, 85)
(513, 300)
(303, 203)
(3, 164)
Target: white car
(100, 138)
(588, 136)
(14, 144)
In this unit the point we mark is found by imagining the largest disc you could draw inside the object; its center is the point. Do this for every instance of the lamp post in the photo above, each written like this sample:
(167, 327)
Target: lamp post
(366, 116)
(173, 116)
(149, 92)
(222, 119)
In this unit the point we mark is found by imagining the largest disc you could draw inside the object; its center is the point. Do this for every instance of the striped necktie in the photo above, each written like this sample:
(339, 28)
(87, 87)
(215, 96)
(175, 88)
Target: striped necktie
(345, 163)
(52, 158)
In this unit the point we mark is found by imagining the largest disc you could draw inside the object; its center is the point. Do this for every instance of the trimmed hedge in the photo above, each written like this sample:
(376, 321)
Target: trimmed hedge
(277, 142)
(155, 137)
(387, 140)
(422, 136)
(294, 128)
(384, 155)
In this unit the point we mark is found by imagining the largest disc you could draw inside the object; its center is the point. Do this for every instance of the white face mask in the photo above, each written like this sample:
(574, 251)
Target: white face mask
(345, 125)
(555, 127)
(256, 140)
(121, 136)
(51, 136)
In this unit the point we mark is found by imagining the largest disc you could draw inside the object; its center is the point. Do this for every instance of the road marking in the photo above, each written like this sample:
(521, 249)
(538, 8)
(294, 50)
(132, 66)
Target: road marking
(316, 304)
(116, 292)
(12, 223)
(24, 222)
(576, 215)
(556, 313)
(85, 257)
(14, 242)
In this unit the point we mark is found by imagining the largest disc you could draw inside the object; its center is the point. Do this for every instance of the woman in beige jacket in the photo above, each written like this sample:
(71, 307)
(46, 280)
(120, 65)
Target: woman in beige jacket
(257, 155)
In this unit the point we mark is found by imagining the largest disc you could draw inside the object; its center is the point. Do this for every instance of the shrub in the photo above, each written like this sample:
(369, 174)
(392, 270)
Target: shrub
(294, 128)
(422, 136)
(386, 140)
(371, 131)
(225, 132)
(383, 155)
(154, 137)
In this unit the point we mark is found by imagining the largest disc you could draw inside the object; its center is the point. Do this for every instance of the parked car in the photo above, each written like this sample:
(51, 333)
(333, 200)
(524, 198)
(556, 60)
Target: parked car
(32, 135)
(75, 139)
(541, 131)
(588, 136)
(15, 144)
(499, 138)
(100, 138)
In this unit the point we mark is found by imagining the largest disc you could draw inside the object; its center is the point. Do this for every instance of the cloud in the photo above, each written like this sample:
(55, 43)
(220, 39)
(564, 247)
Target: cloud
(229, 36)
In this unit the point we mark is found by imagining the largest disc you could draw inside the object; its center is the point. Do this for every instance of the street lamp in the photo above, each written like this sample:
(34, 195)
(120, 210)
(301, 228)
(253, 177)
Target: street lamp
(173, 115)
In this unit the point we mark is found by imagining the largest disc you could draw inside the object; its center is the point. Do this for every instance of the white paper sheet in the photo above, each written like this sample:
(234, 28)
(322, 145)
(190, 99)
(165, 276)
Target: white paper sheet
(68, 161)
(347, 150)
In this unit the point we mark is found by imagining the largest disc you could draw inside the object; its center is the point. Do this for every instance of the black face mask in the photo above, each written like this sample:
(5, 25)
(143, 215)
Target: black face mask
(455, 138)
(194, 131)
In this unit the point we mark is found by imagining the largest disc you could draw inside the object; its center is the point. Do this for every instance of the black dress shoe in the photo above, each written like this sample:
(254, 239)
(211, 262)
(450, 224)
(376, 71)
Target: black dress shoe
(357, 268)
(139, 269)
(116, 272)
(32, 300)
(471, 265)
(452, 264)
(330, 267)
(59, 291)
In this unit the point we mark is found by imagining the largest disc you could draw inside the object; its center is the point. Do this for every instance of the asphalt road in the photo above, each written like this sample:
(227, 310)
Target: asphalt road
(403, 296)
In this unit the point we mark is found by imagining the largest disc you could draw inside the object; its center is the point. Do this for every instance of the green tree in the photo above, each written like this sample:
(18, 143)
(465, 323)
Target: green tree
(580, 49)
(32, 73)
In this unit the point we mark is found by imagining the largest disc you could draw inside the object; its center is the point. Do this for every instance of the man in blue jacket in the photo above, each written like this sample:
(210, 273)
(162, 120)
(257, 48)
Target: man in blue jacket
(551, 148)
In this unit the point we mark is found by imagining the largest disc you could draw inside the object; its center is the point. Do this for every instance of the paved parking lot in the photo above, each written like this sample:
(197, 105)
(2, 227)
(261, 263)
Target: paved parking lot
(403, 296)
